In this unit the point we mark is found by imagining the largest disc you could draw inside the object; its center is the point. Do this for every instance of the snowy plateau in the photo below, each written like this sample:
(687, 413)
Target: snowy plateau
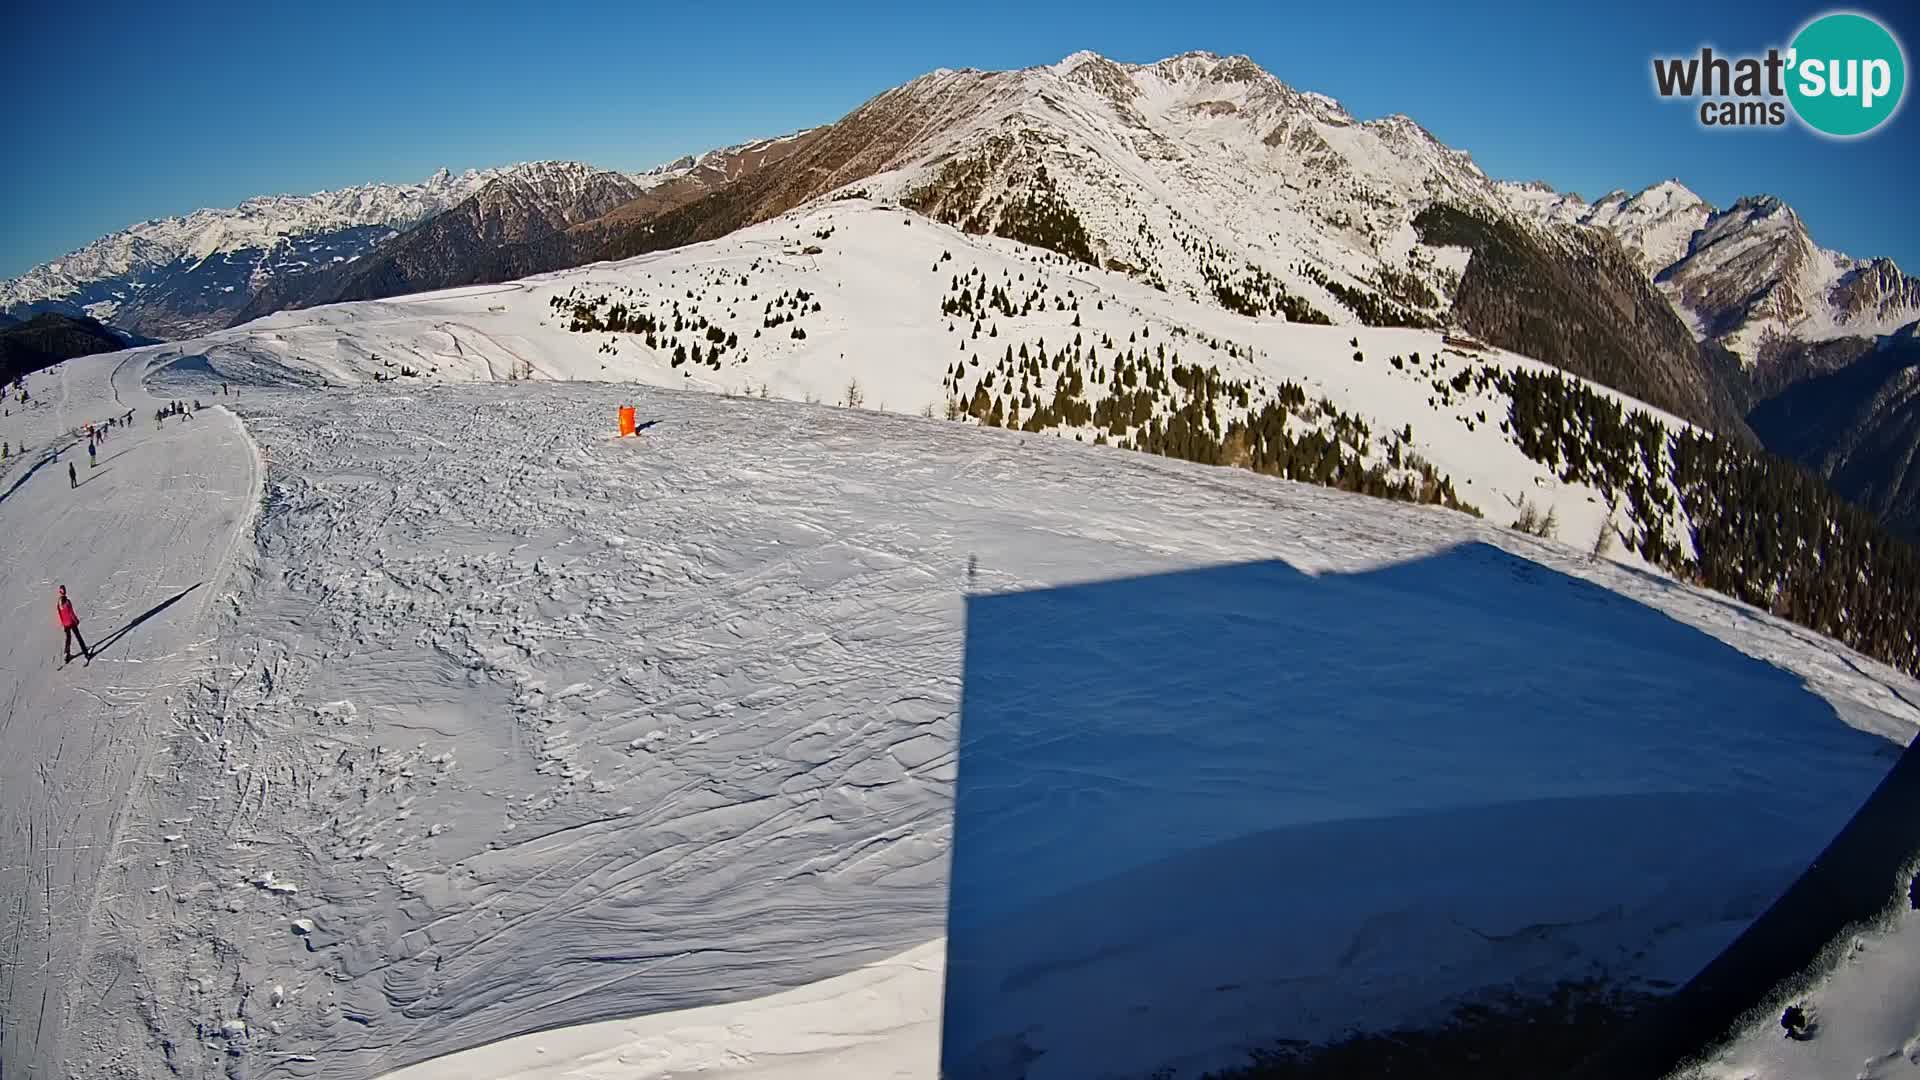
(434, 731)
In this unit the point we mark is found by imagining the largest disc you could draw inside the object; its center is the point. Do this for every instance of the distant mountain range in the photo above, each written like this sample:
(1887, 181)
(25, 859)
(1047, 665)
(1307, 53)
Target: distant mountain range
(1203, 175)
(477, 239)
(179, 277)
(175, 277)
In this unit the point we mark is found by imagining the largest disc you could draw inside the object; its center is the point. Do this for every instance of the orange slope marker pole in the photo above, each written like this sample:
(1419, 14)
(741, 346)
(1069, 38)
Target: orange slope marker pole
(626, 421)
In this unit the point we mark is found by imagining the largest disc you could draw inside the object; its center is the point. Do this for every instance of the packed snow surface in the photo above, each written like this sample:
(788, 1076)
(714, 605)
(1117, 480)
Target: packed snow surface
(145, 545)
(482, 723)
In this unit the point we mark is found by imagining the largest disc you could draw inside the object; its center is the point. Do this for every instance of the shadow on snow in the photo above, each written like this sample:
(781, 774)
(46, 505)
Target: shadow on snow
(143, 617)
(1200, 813)
(46, 458)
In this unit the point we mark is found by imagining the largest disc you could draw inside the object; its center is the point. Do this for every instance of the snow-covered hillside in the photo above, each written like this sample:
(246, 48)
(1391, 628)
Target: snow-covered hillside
(1203, 174)
(494, 722)
(851, 294)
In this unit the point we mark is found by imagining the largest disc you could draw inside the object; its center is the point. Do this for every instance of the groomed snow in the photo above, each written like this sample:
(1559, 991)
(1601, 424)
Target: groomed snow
(145, 545)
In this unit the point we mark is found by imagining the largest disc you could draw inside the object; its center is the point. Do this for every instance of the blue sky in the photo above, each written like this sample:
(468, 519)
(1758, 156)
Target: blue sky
(144, 110)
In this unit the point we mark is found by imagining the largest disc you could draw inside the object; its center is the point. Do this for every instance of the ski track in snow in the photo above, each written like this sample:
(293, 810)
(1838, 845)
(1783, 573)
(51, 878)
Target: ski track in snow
(142, 546)
(513, 725)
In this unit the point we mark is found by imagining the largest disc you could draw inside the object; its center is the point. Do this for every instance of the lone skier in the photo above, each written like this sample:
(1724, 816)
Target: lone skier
(70, 624)
(73, 478)
(90, 460)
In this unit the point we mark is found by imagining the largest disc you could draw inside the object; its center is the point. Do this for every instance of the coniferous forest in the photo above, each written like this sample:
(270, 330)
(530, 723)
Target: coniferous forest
(1761, 528)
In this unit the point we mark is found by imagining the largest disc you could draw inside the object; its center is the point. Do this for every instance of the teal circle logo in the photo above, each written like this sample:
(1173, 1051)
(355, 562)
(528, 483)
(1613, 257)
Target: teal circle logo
(1848, 74)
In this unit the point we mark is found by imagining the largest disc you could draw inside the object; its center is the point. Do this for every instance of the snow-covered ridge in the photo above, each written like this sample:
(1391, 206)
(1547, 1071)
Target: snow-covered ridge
(127, 259)
(717, 158)
(1199, 172)
(258, 222)
(1656, 224)
(1740, 276)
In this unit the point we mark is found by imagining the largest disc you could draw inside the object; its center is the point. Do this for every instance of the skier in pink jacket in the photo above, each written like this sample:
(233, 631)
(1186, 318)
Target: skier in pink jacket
(70, 623)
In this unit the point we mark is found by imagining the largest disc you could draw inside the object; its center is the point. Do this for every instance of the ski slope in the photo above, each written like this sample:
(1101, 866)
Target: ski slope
(494, 724)
(144, 545)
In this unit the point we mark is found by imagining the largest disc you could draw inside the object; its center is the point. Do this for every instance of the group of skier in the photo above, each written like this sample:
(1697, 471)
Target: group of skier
(95, 434)
(15, 390)
(175, 408)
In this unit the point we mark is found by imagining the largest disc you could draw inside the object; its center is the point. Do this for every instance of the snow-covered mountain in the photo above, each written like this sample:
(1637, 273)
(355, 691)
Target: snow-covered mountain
(1748, 277)
(1753, 273)
(921, 317)
(431, 713)
(1657, 224)
(179, 276)
(1209, 178)
(176, 276)
(486, 236)
(852, 300)
(1202, 174)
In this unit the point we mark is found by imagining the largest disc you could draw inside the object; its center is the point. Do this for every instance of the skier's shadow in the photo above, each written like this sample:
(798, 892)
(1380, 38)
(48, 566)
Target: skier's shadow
(93, 474)
(18, 483)
(143, 617)
(105, 461)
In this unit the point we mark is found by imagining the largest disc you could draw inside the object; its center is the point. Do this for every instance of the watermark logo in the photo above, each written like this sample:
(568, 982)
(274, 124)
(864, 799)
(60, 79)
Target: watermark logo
(1843, 75)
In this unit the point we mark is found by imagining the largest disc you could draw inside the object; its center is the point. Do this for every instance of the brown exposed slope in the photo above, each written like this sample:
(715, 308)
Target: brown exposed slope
(698, 177)
(543, 217)
(877, 136)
